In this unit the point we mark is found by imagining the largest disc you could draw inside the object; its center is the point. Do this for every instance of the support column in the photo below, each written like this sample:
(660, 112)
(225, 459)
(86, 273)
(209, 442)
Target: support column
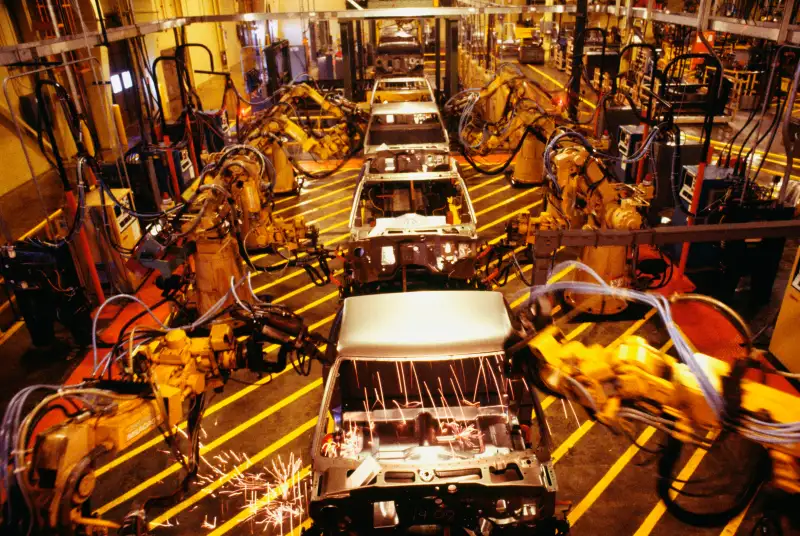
(574, 93)
(451, 58)
(437, 49)
(360, 52)
(348, 58)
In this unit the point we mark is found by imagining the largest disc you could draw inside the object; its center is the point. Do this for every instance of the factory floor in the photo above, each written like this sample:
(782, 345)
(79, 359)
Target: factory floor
(257, 424)
(260, 422)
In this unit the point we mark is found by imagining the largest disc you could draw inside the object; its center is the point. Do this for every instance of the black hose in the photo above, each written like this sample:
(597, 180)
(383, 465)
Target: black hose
(501, 168)
(664, 486)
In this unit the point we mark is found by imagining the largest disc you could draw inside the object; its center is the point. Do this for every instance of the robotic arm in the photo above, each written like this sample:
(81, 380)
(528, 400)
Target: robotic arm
(334, 144)
(275, 122)
(504, 109)
(581, 195)
(243, 178)
(51, 471)
(636, 382)
(301, 91)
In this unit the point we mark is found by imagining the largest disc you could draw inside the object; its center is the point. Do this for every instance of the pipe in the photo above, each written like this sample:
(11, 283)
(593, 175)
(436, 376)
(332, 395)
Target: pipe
(173, 174)
(73, 86)
(786, 135)
(86, 251)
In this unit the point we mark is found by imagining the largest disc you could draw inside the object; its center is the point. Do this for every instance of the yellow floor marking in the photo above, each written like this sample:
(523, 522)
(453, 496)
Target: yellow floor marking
(253, 509)
(233, 432)
(658, 511)
(484, 183)
(330, 215)
(526, 208)
(317, 198)
(733, 525)
(238, 470)
(490, 194)
(612, 473)
(314, 189)
(326, 205)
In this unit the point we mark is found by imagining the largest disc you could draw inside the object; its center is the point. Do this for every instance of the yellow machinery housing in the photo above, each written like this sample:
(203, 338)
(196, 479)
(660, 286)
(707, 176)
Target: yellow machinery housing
(589, 201)
(784, 343)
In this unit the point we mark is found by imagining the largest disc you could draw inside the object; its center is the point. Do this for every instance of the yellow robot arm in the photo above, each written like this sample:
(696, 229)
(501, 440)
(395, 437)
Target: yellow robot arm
(334, 144)
(59, 474)
(299, 91)
(56, 476)
(616, 384)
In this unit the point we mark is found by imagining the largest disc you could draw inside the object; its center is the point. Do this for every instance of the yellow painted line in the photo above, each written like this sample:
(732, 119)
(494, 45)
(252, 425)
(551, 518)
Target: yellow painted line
(526, 208)
(313, 304)
(490, 194)
(546, 403)
(722, 144)
(238, 470)
(553, 279)
(253, 509)
(770, 171)
(330, 215)
(334, 226)
(570, 442)
(315, 188)
(221, 440)
(506, 201)
(612, 473)
(326, 205)
(688, 470)
(302, 289)
(15, 327)
(313, 200)
(733, 525)
(484, 183)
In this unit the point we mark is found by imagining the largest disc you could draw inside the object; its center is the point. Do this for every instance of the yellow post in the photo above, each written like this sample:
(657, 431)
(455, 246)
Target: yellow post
(123, 138)
(88, 142)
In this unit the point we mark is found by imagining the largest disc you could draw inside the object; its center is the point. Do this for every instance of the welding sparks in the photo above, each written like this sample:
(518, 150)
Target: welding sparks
(274, 497)
(387, 418)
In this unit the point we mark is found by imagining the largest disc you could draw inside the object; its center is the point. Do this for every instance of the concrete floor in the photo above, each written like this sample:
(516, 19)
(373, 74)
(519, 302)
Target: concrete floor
(609, 482)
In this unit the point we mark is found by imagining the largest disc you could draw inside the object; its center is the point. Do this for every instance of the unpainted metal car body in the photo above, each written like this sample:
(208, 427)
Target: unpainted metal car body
(418, 427)
(401, 89)
(399, 49)
(412, 222)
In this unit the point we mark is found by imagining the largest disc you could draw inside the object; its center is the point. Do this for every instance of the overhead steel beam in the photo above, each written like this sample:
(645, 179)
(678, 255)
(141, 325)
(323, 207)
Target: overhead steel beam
(548, 242)
(25, 52)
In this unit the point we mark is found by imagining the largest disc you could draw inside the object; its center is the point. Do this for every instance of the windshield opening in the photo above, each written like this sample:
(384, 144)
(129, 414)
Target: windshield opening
(419, 411)
(405, 129)
(429, 198)
(402, 91)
